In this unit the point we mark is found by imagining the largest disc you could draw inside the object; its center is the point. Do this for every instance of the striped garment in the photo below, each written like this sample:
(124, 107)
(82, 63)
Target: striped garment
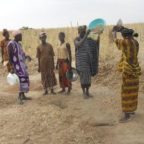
(94, 49)
(129, 66)
(83, 63)
(85, 78)
(83, 56)
(129, 94)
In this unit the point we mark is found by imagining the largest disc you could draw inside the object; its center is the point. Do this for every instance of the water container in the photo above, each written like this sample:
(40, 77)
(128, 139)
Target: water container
(12, 79)
(72, 75)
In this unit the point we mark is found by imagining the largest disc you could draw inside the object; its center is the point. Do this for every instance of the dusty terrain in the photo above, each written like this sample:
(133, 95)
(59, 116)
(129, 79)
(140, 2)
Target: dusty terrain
(62, 119)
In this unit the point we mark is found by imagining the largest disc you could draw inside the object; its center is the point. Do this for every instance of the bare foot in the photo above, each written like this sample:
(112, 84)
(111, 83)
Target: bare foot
(45, 93)
(125, 118)
(85, 96)
(53, 93)
(20, 101)
(89, 95)
(68, 92)
(26, 98)
(62, 91)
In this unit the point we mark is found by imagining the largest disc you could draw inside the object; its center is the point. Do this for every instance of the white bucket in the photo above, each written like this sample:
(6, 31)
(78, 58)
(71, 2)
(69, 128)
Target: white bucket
(12, 79)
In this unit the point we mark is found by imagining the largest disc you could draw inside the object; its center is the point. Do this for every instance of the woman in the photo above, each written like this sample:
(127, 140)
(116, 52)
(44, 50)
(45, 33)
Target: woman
(64, 63)
(17, 59)
(45, 55)
(4, 50)
(86, 61)
(129, 66)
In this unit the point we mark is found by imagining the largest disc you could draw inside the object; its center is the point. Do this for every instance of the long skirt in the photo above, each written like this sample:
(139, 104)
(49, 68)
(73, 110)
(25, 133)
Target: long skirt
(48, 79)
(129, 93)
(24, 84)
(85, 78)
(64, 67)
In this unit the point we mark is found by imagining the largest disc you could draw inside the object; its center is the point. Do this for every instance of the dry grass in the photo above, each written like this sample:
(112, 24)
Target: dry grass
(108, 50)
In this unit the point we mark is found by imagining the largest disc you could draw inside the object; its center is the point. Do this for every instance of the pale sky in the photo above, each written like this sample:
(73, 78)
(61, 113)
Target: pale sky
(15, 14)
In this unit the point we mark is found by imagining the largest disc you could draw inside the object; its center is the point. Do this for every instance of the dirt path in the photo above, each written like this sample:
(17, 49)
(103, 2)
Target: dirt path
(70, 119)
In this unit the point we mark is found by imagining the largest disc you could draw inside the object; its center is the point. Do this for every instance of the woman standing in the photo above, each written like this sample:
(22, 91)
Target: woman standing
(45, 55)
(129, 66)
(64, 63)
(4, 50)
(83, 60)
(17, 59)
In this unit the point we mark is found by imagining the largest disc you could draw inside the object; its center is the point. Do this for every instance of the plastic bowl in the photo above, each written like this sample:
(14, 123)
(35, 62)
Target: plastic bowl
(97, 25)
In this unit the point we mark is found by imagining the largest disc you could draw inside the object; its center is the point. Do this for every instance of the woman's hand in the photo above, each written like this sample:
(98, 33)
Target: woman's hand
(56, 67)
(88, 32)
(28, 58)
(39, 70)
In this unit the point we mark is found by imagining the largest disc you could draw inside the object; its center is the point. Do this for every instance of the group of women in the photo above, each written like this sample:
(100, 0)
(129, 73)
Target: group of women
(87, 54)
(46, 65)
(86, 62)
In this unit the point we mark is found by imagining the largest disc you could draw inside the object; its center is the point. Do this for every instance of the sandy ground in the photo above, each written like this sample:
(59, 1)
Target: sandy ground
(62, 119)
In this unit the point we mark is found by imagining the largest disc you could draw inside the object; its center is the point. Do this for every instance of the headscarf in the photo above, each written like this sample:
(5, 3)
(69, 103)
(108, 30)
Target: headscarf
(15, 33)
(82, 28)
(5, 31)
(127, 32)
(62, 34)
(135, 35)
(42, 34)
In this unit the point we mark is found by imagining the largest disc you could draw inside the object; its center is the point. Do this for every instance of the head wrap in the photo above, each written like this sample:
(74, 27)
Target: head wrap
(127, 32)
(135, 35)
(82, 28)
(5, 31)
(62, 34)
(15, 33)
(42, 34)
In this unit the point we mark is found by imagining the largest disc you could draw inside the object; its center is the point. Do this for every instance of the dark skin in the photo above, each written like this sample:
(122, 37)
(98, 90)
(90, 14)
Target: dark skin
(126, 115)
(44, 42)
(83, 34)
(62, 40)
(22, 96)
(117, 28)
(17, 38)
(6, 37)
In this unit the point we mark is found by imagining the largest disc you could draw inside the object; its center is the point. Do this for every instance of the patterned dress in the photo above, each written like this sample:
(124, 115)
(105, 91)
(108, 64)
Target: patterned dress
(129, 66)
(46, 54)
(4, 51)
(17, 60)
(63, 65)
